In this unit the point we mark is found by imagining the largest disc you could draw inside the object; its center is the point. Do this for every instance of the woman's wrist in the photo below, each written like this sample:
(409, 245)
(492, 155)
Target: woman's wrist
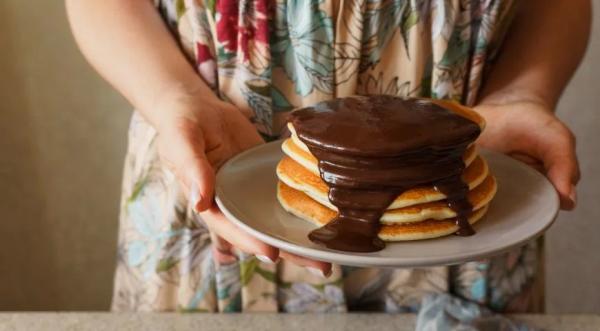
(498, 108)
(515, 95)
(181, 101)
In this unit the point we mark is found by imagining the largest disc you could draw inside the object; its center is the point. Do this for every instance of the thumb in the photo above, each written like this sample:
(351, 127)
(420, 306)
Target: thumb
(562, 170)
(183, 151)
(201, 181)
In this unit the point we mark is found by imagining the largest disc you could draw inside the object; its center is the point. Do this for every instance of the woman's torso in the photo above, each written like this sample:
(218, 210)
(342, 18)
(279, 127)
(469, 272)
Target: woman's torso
(267, 58)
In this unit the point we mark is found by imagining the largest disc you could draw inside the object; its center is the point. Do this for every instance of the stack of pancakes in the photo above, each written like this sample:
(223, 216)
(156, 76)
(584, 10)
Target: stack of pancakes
(418, 213)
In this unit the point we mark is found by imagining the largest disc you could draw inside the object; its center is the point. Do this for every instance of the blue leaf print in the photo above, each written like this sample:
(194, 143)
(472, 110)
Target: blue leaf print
(478, 289)
(304, 297)
(136, 252)
(381, 20)
(458, 49)
(280, 103)
(443, 20)
(205, 285)
(145, 212)
(302, 43)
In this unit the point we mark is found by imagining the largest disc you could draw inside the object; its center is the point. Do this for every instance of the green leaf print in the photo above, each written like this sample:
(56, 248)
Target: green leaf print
(247, 270)
(166, 264)
(210, 5)
(250, 267)
(410, 18)
(457, 51)
(180, 8)
(234, 304)
(182, 309)
(137, 189)
(223, 293)
(280, 102)
(259, 86)
(226, 59)
(268, 275)
(321, 287)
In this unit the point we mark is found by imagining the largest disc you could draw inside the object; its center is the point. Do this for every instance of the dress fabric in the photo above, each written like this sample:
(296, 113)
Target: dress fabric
(267, 58)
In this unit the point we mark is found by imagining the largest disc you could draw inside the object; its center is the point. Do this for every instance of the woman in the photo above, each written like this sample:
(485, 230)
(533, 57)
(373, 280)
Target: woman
(255, 60)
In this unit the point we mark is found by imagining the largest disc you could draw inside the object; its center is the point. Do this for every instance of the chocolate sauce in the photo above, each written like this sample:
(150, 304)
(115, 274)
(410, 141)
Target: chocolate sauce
(371, 149)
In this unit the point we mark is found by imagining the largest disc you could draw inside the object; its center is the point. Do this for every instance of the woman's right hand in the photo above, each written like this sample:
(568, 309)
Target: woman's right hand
(196, 136)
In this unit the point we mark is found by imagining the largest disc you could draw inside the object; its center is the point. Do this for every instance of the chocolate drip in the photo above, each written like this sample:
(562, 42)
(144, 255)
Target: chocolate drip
(371, 149)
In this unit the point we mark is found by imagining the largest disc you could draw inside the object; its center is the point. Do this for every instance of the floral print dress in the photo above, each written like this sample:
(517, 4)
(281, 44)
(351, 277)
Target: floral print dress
(268, 57)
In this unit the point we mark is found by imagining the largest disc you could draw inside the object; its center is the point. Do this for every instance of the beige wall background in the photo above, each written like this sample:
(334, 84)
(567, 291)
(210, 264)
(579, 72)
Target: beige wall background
(62, 142)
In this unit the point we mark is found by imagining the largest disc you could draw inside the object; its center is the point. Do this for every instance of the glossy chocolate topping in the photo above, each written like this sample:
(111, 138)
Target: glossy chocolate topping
(371, 149)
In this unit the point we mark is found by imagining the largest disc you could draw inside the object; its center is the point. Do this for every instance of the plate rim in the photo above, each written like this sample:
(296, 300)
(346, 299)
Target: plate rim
(377, 261)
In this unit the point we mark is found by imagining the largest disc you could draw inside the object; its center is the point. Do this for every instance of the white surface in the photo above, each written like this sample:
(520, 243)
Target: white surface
(525, 205)
(248, 321)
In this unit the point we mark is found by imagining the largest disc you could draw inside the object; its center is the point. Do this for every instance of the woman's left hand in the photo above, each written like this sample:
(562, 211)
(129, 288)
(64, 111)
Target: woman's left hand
(530, 132)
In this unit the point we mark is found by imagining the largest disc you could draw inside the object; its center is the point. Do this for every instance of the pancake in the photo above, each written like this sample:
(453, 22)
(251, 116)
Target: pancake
(298, 178)
(302, 206)
(295, 171)
(461, 110)
(447, 104)
(298, 151)
(369, 169)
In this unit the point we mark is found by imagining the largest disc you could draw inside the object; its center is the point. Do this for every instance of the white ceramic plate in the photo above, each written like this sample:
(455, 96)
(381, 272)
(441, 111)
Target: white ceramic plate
(525, 206)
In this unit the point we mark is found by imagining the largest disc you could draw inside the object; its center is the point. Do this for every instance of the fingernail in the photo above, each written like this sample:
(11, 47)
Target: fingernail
(319, 272)
(265, 259)
(195, 197)
(573, 195)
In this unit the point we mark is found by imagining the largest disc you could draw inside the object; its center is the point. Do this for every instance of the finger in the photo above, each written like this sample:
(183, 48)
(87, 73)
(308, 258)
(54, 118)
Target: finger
(223, 227)
(562, 170)
(193, 168)
(222, 250)
(577, 175)
(201, 178)
(217, 158)
(324, 268)
(220, 243)
(530, 161)
(182, 151)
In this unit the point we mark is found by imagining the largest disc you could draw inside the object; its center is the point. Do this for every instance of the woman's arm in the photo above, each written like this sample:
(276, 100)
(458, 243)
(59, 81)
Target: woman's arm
(128, 43)
(541, 52)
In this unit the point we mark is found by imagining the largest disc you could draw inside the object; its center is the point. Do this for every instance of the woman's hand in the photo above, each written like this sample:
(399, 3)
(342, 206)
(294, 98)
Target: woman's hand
(197, 134)
(195, 137)
(530, 132)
